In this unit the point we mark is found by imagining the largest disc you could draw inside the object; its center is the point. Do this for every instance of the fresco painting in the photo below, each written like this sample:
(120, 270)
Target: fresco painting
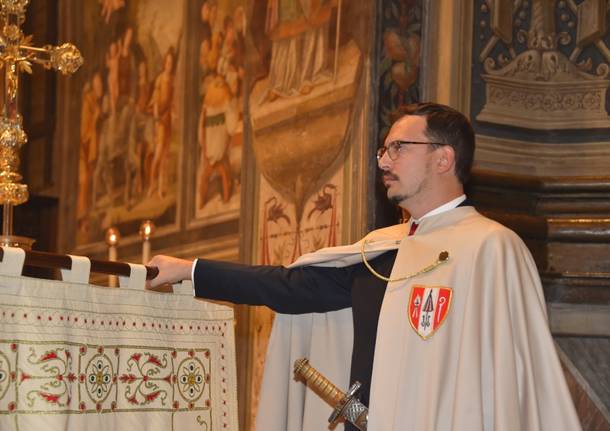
(130, 124)
(221, 72)
(305, 71)
(301, 109)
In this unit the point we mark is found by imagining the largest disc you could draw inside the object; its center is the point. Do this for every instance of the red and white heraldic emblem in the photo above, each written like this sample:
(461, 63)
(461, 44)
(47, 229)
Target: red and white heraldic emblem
(428, 307)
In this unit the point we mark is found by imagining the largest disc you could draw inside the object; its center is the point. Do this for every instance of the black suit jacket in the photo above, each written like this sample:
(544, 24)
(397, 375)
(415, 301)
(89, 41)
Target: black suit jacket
(308, 289)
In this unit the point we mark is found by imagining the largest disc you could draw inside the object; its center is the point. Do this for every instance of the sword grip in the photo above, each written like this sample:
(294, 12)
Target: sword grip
(318, 382)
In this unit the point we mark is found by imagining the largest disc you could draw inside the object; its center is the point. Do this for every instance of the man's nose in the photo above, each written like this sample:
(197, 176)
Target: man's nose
(384, 162)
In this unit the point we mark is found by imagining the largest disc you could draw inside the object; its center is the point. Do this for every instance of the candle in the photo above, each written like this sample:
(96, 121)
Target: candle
(112, 240)
(147, 228)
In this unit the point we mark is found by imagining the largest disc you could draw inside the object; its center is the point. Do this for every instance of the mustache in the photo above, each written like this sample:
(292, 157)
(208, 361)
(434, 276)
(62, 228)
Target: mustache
(388, 176)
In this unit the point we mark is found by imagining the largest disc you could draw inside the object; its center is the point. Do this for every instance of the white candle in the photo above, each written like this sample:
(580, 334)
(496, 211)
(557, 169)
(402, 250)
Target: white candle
(112, 253)
(145, 251)
(146, 230)
(112, 240)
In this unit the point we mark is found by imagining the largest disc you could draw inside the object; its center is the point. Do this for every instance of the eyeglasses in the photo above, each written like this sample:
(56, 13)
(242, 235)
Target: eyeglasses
(393, 148)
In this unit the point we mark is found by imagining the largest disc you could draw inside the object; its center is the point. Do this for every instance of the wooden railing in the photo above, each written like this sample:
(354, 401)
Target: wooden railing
(43, 259)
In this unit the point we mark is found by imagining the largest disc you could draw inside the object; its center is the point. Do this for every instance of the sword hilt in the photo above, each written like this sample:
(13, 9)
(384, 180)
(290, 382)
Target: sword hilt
(345, 405)
(318, 382)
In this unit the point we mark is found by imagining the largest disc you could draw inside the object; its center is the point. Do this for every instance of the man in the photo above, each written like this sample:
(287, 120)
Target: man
(449, 321)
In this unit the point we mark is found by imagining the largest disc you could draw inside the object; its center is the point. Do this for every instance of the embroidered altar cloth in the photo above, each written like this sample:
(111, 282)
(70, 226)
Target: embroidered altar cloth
(74, 356)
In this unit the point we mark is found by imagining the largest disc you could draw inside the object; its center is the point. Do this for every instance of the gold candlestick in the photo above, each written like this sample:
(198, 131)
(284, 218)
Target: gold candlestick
(112, 240)
(147, 228)
(16, 55)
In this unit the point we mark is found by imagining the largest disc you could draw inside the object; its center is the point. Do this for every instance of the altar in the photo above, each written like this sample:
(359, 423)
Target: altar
(75, 356)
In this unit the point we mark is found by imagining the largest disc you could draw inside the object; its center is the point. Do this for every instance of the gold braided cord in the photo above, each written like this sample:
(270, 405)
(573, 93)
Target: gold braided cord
(443, 257)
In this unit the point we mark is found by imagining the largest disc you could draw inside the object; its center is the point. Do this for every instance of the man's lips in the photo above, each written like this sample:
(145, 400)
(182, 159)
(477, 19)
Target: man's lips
(389, 177)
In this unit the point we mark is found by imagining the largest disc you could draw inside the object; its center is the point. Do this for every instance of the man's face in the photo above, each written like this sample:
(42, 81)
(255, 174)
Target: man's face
(408, 177)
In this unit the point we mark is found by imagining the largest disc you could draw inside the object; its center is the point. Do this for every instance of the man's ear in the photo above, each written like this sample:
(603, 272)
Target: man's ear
(446, 159)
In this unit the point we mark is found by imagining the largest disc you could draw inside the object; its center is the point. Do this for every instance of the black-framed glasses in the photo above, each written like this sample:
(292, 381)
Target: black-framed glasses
(393, 148)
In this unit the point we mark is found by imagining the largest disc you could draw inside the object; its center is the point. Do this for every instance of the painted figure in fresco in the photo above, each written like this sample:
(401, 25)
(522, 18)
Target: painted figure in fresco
(117, 148)
(239, 23)
(89, 136)
(209, 49)
(298, 30)
(227, 51)
(442, 319)
(221, 59)
(162, 103)
(125, 64)
(118, 63)
(209, 9)
(144, 125)
(204, 51)
(230, 63)
(218, 122)
(112, 64)
(109, 7)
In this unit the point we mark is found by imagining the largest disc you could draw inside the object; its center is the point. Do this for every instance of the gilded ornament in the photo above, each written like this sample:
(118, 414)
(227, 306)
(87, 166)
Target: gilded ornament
(14, 194)
(66, 58)
(12, 33)
(12, 135)
(16, 7)
(17, 55)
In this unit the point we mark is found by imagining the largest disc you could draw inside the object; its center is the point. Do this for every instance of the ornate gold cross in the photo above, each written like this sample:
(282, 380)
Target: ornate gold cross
(17, 55)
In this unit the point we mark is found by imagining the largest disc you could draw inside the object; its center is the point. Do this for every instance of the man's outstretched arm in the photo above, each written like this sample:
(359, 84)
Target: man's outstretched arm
(297, 290)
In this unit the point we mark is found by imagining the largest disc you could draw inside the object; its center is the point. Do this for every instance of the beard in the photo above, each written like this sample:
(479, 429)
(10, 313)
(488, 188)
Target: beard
(396, 200)
(399, 198)
(388, 176)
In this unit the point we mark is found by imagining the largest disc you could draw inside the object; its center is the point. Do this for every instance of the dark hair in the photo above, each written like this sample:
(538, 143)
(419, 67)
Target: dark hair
(447, 126)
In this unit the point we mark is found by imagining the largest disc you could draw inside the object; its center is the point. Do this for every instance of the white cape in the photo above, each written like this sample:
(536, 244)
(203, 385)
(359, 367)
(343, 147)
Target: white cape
(492, 365)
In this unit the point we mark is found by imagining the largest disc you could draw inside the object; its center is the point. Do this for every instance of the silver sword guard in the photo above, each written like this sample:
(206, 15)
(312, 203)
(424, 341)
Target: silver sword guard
(351, 409)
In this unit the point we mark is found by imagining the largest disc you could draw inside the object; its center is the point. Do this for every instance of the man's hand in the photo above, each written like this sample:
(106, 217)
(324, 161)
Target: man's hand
(171, 270)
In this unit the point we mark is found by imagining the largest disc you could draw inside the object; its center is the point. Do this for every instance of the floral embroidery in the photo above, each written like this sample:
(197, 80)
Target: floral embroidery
(98, 379)
(48, 371)
(191, 379)
(47, 378)
(145, 379)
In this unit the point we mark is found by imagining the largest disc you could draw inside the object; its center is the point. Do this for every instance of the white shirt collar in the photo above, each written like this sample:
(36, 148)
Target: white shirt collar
(445, 207)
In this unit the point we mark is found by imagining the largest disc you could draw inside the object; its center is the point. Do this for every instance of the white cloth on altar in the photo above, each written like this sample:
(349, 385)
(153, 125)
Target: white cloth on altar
(75, 356)
(492, 364)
